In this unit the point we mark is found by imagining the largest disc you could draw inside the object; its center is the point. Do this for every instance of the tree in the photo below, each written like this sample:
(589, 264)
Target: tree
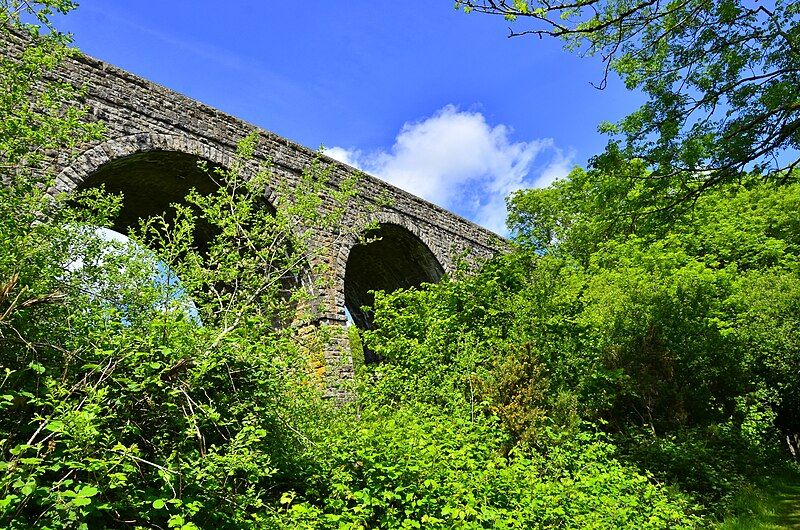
(116, 407)
(41, 120)
(720, 75)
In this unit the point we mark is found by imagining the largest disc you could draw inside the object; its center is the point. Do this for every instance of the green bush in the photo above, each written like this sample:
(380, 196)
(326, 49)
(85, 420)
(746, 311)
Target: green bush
(415, 467)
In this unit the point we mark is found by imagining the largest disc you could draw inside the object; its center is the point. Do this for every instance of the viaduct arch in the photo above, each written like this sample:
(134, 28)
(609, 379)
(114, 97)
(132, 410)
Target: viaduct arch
(154, 136)
(150, 171)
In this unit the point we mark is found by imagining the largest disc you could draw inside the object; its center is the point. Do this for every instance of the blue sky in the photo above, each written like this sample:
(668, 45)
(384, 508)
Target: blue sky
(435, 101)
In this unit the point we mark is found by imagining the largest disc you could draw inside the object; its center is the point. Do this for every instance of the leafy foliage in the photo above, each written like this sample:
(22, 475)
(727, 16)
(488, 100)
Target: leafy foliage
(415, 467)
(118, 406)
(122, 408)
(674, 338)
(719, 77)
(40, 120)
(617, 369)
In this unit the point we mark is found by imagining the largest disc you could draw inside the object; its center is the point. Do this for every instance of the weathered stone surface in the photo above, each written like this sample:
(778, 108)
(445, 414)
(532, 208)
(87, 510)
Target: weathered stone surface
(162, 129)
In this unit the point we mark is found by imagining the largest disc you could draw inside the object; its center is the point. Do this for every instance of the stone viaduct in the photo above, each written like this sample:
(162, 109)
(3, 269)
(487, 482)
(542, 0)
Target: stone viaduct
(154, 138)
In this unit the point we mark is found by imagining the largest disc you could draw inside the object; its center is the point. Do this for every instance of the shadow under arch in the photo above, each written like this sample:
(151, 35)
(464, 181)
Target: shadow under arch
(395, 259)
(150, 182)
(152, 172)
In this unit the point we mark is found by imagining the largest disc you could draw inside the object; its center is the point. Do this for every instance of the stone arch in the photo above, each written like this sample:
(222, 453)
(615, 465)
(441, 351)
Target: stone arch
(151, 170)
(399, 256)
(90, 161)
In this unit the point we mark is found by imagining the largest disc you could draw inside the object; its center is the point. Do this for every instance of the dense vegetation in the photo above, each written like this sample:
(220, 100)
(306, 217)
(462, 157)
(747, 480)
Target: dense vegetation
(620, 368)
(677, 340)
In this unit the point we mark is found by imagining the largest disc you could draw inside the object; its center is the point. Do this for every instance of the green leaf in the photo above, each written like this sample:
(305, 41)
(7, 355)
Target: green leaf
(82, 501)
(37, 367)
(88, 491)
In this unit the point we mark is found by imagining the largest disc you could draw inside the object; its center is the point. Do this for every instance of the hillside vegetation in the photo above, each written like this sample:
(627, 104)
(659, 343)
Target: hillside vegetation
(628, 364)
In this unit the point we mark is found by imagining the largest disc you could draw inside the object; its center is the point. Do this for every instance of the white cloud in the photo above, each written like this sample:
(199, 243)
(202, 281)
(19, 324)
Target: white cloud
(457, 160)
(557, 168)
(348, 156)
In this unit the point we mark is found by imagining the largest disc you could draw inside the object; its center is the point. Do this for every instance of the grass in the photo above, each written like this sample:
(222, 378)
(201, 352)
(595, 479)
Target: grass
(771, 506)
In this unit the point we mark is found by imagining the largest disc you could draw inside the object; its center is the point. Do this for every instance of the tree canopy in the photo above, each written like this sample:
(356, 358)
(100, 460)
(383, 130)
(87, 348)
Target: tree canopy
(721, 79)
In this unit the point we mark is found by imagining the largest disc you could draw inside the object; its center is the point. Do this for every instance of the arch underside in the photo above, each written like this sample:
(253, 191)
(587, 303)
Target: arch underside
(397, 259)
(150, 182)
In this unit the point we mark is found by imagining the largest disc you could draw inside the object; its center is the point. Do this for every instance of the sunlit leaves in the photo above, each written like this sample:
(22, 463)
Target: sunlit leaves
(720, 78)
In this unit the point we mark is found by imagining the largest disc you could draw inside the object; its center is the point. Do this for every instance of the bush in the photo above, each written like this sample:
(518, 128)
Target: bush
(415, 467)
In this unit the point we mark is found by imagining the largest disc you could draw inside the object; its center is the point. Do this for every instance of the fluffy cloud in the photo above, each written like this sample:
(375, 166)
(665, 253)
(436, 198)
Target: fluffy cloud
(457, 160)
